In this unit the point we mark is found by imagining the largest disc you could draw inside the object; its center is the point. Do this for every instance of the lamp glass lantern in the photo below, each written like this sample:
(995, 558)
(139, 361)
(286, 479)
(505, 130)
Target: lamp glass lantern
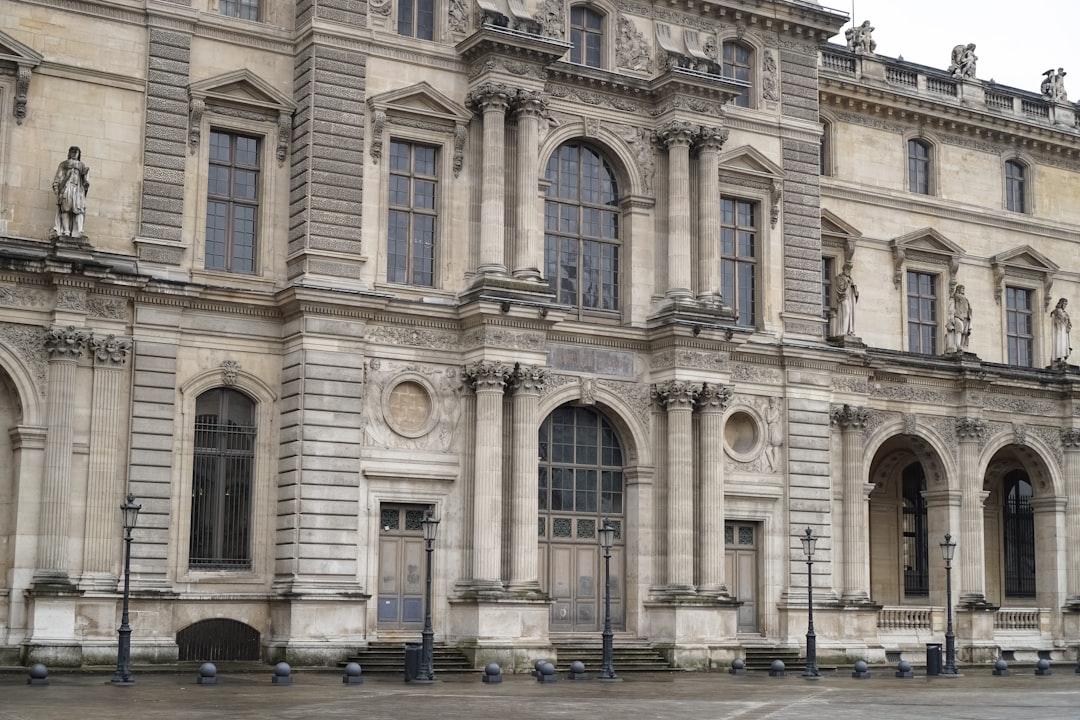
(430, 524)
(606, 535)
(948, 549)
(809, 543)
(130, 509)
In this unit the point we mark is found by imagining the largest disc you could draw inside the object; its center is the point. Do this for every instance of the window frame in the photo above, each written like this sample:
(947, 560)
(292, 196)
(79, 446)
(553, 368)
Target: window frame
(240, 4)
(756, 263)
(1011, 289)
(413, 212)
(938, 297)
(749, 94)
(232, 201)
(414, 23)
(1027, 189)
(930, 162)
(602, 34)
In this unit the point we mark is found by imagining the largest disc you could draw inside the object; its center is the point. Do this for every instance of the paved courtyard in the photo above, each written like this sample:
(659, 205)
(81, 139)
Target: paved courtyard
(320, 694)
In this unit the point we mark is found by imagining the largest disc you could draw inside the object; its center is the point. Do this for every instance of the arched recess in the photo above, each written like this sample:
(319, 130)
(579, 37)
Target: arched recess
(218, 640)
(1024, 523)
(623, 151)
(909, 514)
(22, 379)
(229, 376)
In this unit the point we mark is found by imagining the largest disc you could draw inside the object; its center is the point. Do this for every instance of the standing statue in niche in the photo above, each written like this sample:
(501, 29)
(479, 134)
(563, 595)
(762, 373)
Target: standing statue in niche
(1053, 86)
(963, 61)
(958, 327)
(775, 431)
(1062, 326)
(71, 184)
(847, 294)
(859, 38)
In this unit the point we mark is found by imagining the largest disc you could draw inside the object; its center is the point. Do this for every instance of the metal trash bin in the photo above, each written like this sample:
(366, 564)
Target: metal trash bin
(414, 652)
(933, 659)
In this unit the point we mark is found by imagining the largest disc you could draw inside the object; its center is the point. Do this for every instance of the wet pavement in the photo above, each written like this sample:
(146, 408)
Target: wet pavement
(976, 695)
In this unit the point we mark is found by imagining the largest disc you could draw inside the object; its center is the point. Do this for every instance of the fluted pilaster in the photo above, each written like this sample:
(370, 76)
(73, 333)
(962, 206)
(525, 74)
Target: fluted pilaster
(488, 379)
(678, 398)
(856, 537)
(64, 347)
(710, 141)
(1070, 440)
(971, 432)
(712, 401)
(526, 382)
(530, 108)
(492, 101)
(678, 135)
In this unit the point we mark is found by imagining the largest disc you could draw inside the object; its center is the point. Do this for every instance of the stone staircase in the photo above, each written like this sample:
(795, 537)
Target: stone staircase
(389, 658)
(759, 659)
(627, 656)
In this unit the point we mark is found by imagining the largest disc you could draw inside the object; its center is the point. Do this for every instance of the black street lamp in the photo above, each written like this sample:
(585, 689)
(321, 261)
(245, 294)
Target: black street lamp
(607, 539)
(809, 545)
(123, 652)
(427, 661)
(948, 551)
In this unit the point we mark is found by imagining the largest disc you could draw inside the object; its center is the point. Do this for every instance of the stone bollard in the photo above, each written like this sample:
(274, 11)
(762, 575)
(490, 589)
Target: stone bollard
(492, 674)
(39, 675)
(282, 674)
(1042, 668)
(903, 669)
(352, 674)
(547, 673)
(536, 667)
(777, 669)
(577, 671)
(207, 674)
(738, 667)
(861, 670)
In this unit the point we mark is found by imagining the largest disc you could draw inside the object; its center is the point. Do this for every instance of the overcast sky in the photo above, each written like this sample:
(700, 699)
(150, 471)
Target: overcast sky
(1015, 40)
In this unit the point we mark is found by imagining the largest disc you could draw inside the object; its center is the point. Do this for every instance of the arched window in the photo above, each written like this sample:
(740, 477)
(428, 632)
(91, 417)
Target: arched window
(581, 228)
(1018, 535)
(1015, 181)
(916, 553)
(586, 35)
(736, 65)
(222, 481)
(918, 167)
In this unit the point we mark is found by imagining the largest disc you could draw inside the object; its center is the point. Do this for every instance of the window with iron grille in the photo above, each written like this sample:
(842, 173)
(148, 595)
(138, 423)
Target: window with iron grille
(222, 481)
(581, 228)
(1019, 535)
(411, 222)
(243, 9)
(416, 18)
(586, 36)
(1019, 326)
(922, 312)
(232, 204)
(738, 257)
(916, 546)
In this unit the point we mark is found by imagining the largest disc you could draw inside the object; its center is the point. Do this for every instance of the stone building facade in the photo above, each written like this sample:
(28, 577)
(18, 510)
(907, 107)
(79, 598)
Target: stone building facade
(536, 266)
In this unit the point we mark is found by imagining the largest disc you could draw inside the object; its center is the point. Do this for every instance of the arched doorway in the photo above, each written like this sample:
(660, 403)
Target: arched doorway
(580, 486)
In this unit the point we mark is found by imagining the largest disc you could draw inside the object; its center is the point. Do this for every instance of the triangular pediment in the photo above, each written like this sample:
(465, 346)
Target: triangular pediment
(13, 51)
(241, 87)
(420, 99)
(928, 240)
(833, 224)
(1026, 257)
(749, 160)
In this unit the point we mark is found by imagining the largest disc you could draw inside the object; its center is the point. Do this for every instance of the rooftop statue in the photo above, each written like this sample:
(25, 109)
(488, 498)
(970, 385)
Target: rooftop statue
(859, 38)
(963, 61)
(1053, 86)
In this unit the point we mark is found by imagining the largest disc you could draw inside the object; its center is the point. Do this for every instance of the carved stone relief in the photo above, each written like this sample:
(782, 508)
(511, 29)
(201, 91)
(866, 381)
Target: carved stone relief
(412, 406)
(106, 307)
(24, 297)
(914, 393)
(687, 358)
(631, 47)
(230, 372)
(27, 343)
(412, 337)
(756, 374)
(1021, 405)
(640, 142)
(551, 15)
(636, 395)
(489, 336)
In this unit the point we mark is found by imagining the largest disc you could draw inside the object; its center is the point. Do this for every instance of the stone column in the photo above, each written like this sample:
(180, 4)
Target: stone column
(678, 136)
(64, 347)
(712, 400)
(1070, 440)
(970, 432)
(530, 108)
(856, 533)
(677, 397)
(527, 382)
(710, 141)
(104, 491)
(492, 101)
(488, 380)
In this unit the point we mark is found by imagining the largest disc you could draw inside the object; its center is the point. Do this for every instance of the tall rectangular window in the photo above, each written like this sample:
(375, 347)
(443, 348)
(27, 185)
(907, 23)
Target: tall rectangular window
(411, 224)
(586, 34)
(738, 257)
(828, 270)
(416, 18)
(232, 203)
(922, 303)
(1019, 326)
(918, 167)
(735, 63)
(1014, 187)
(243, 9)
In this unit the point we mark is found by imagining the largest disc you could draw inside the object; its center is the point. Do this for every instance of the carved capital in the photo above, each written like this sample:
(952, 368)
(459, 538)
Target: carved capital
(490, 97)
(531, 104)
(1070, 439)
(677, 133)
(850, 417)
(486, 375)
(711, 139)
(713, 397)
(66, 343)
(110, 350)
(971, 429)
(675, 395)
(529, 379)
